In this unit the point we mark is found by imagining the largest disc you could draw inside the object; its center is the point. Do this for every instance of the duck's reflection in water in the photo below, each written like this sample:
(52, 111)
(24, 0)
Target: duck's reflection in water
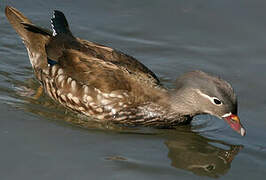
(200, 155)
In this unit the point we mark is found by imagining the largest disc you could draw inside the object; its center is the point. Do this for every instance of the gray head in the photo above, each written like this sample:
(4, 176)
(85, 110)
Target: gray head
(200, 93)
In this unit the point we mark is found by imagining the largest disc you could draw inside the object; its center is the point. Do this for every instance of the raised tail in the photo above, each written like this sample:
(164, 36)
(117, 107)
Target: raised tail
(59, 23)
(34, 37)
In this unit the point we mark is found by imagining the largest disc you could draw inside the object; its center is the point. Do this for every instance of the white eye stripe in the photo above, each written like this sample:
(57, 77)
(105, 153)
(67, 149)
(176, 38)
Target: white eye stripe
(212, 99)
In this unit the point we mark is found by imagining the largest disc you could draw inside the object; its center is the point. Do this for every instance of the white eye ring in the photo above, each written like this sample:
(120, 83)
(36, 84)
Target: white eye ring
(216, 101)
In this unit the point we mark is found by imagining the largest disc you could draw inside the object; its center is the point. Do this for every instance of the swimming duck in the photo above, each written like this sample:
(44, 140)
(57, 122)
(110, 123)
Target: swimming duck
(108, 85)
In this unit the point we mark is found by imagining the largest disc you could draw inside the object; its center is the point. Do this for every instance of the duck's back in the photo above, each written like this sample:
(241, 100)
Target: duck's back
(99, 66)
(128, 64)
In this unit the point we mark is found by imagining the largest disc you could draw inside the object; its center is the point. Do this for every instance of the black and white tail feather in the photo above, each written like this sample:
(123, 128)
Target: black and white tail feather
(59, 23)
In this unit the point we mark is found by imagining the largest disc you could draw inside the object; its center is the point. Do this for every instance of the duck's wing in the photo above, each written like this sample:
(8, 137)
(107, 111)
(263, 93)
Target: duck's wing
(94, 72)
(86, 68)
(97, 69)
(124, 61)
(96, 87)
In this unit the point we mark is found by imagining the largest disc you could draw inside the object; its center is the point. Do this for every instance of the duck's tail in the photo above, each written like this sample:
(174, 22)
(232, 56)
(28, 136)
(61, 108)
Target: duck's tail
(34, 37)
(60, 24)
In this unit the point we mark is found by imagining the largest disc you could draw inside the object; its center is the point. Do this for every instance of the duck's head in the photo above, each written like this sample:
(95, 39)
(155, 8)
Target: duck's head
(200, 93)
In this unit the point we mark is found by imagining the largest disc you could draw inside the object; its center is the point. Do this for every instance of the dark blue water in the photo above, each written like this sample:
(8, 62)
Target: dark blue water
(41, 140)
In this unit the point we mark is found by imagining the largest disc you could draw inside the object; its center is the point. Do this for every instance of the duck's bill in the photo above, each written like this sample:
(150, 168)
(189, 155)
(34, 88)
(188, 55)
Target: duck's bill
(234, 122)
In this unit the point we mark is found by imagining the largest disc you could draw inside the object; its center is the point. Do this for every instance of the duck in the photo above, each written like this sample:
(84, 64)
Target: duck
(107, 85)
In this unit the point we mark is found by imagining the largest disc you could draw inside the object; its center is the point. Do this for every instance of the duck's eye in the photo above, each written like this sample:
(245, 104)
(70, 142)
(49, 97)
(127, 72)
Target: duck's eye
(217, 101)
(214, 100)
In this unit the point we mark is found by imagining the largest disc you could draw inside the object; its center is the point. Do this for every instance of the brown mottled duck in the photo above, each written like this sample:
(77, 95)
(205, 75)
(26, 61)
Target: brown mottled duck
(108, 85)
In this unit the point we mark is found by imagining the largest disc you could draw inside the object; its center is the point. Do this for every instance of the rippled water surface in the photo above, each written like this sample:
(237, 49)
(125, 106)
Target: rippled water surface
(41, 140)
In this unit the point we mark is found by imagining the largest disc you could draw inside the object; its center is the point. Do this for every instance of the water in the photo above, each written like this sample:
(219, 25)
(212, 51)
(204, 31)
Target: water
(41, 140)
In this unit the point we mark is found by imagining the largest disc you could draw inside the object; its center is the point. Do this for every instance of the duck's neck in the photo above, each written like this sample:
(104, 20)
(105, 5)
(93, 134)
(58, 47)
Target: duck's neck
(172, 108)
(183, 104)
